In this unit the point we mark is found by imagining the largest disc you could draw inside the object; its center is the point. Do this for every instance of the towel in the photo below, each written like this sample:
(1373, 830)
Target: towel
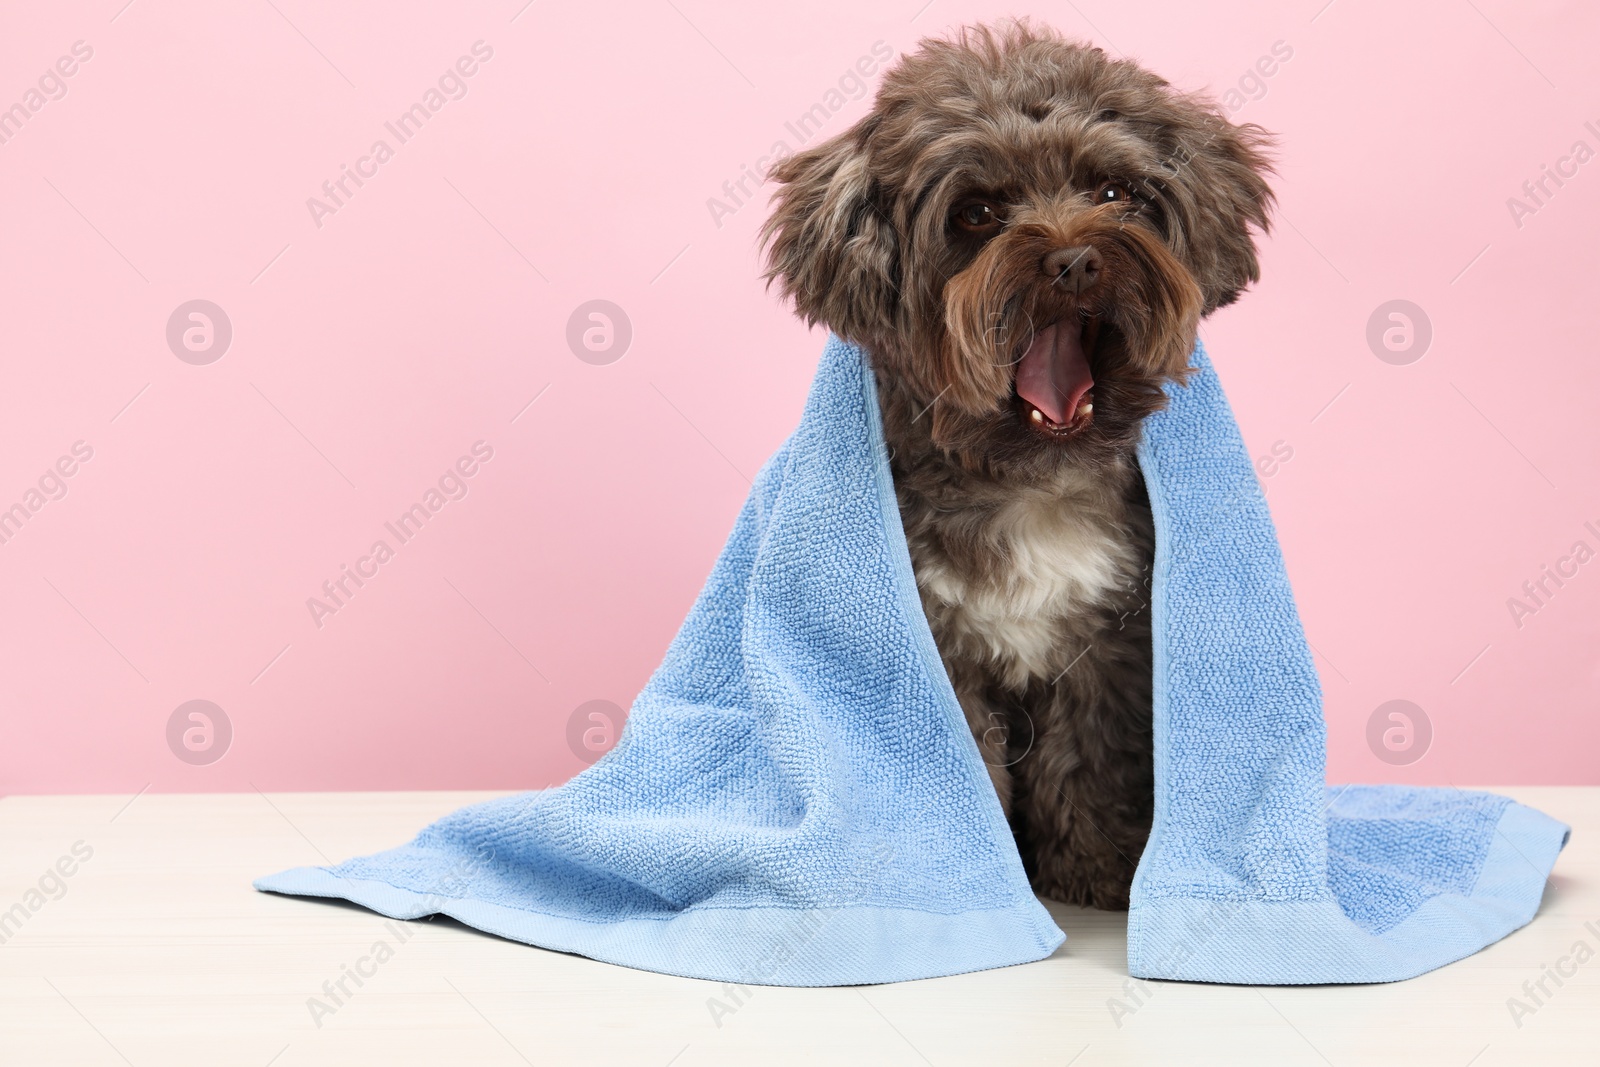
(796, 798)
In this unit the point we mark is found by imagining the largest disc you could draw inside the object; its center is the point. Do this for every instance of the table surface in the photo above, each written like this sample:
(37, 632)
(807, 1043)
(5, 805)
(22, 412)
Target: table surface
(156, 951)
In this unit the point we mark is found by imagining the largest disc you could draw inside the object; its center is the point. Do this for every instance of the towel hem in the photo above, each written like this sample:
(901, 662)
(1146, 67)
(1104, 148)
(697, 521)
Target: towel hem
(1298, 943)
(850, 945)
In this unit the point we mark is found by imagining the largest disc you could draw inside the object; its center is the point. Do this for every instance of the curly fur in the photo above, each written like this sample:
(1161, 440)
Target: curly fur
(1031, 552)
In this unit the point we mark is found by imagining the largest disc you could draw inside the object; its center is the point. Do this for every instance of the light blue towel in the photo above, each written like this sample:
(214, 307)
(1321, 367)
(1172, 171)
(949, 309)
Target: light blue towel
(797, 799)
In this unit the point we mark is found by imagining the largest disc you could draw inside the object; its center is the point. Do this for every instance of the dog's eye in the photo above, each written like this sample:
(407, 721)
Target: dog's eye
(977, 216)
(1112, 193)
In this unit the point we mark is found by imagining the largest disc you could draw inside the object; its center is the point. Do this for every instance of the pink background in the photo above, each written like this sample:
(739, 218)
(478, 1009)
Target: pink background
(371, 352)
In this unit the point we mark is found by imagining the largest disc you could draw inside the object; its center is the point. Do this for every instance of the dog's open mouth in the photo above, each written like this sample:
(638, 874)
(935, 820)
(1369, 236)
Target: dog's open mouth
(1054, 383)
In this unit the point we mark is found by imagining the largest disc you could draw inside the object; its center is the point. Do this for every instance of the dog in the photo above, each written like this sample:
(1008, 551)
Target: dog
(1023, 235)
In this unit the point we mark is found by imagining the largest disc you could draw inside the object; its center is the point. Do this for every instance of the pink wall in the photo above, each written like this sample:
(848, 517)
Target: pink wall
(374, 346)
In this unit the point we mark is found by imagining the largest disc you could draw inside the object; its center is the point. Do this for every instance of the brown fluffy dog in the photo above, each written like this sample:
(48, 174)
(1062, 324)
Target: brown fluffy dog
(1023, 235)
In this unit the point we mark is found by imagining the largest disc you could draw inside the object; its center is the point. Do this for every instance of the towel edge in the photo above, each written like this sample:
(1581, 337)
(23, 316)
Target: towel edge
(849, 945)
(1314, 943)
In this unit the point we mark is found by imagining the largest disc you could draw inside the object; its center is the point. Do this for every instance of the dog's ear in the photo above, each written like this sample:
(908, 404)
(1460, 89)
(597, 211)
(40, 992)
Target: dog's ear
(1213, 189)
(830, 244)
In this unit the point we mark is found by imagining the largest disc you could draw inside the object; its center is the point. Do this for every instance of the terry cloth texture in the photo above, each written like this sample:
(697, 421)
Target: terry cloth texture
(797, 799)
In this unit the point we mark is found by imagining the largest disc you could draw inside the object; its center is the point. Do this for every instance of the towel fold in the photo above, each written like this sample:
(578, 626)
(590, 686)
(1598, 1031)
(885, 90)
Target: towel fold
(796, 798)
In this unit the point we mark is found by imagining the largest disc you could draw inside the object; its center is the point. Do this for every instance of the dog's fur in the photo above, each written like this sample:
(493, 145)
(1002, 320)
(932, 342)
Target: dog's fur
(1032, 549)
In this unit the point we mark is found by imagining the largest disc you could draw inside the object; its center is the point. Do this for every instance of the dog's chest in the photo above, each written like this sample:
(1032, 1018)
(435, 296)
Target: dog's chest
(1029, 585)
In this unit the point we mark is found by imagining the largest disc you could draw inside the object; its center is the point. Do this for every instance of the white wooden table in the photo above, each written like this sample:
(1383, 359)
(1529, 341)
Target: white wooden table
(155, 951)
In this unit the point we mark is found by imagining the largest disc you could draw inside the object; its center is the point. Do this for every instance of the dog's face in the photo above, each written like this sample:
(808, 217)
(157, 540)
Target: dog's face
(1024, 235)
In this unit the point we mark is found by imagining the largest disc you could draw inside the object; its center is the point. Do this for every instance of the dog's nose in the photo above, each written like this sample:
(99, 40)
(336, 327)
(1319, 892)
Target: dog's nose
(1073, 269)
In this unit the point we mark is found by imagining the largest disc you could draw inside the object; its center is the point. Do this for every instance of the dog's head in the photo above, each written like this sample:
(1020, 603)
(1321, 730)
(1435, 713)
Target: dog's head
(1024, 235)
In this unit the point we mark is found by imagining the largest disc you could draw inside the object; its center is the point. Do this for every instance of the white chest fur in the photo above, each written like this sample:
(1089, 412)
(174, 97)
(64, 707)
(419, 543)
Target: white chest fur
(1050, 560)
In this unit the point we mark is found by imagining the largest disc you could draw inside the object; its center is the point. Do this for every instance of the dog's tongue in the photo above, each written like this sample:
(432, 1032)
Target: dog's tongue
(1054, 372)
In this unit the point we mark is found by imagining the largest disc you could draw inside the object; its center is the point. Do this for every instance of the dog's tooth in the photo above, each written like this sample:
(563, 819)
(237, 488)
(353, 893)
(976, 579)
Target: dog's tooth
(1037, 415)
(1086, 409)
